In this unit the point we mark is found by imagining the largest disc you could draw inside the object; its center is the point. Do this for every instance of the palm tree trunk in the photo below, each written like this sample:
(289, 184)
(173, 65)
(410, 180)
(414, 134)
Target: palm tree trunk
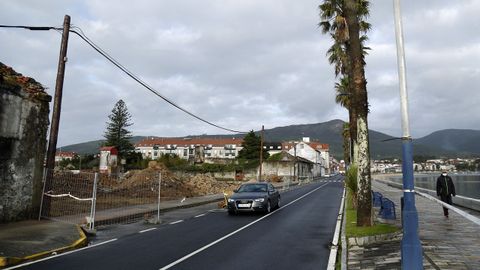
(353, 133)
(360, 106)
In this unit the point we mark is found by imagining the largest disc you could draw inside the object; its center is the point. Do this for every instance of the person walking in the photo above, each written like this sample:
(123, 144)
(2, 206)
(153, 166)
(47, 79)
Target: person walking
(445, 190)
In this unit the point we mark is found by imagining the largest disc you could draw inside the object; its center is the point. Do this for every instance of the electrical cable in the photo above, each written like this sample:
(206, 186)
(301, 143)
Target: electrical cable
(140, 81)
(84, 37)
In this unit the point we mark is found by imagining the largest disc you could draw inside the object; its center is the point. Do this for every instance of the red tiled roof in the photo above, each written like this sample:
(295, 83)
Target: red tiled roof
(314, 145)
(112, 149)
(188, 141)
(65, 154)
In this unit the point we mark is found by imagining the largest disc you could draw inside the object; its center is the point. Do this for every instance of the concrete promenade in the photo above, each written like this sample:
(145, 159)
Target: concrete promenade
(448, 243)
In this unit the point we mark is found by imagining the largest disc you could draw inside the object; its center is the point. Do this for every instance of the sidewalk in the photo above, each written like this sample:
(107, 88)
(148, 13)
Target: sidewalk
(30, 240)
(452, 243)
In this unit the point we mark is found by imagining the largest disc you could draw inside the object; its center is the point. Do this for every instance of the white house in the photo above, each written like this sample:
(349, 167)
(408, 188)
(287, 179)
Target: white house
(59, 156)
(313, 151)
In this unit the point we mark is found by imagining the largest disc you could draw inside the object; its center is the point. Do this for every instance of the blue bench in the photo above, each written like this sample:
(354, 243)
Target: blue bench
(377, 199)
(387, 209)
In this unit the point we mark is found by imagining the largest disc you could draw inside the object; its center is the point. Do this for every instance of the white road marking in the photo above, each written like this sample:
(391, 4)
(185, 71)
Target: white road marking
(62, 254)
(218, 210)
(201, 215)
(236, 231)
(175, 222)
(147, 230)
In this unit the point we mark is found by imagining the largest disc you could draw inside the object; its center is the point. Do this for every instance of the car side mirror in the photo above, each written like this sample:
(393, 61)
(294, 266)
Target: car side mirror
(235, 190)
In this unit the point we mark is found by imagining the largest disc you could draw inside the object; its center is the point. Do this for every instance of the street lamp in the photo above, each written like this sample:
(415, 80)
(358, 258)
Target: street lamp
(411, 246)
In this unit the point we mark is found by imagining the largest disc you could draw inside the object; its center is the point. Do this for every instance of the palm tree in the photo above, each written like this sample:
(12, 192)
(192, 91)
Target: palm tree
(345, 21)
(359, 101)
(334, 22)
(346, 143)
(342, 97)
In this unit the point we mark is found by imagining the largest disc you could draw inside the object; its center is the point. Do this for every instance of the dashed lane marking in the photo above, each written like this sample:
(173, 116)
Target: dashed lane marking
(147, 230)
(201, 215)
(175, 222)
(236, 231)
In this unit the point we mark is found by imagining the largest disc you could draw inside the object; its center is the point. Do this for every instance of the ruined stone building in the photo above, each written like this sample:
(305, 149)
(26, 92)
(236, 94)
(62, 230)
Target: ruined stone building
(24, 108)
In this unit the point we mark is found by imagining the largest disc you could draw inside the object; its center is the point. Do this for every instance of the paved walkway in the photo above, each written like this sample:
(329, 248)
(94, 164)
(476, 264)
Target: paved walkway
(31, 239)
(452, 243)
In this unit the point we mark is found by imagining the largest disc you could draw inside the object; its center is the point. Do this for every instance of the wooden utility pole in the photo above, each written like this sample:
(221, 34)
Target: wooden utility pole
(261, 154)
(57, 100)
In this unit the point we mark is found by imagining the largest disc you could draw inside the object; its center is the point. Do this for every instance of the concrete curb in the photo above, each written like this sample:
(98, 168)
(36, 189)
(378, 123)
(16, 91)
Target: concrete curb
(80, 242)
(367, 240)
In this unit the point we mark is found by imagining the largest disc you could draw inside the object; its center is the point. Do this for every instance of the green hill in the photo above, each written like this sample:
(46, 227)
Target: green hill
(92, 147)
(444, 143)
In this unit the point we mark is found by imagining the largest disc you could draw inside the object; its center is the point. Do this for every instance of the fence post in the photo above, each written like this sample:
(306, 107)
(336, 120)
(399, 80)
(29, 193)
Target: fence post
(44, 180)
(159, 189)
(94, 202)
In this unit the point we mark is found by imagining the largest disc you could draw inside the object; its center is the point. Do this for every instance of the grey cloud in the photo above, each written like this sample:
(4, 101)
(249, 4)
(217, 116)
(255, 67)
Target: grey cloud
(241, 64)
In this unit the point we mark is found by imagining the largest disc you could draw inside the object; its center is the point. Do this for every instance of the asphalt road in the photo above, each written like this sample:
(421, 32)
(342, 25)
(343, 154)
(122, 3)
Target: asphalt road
(296, 236)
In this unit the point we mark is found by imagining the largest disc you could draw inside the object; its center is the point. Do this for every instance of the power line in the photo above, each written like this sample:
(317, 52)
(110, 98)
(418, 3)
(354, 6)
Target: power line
(140, 81)
(33, 28)
(111, 59)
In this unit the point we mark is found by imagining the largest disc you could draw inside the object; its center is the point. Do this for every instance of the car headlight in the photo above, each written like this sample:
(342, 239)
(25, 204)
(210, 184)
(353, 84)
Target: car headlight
(231, 200)
(260, 199)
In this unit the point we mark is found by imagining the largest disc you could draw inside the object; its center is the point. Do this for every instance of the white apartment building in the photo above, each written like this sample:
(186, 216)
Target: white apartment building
(190, 148)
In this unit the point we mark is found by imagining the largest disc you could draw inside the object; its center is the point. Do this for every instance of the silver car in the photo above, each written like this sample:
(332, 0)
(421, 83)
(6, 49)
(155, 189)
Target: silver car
(254, 197)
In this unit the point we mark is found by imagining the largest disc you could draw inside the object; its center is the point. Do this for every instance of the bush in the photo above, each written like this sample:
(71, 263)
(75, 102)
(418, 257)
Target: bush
(351, 183)
(275, 157)
(173, 161)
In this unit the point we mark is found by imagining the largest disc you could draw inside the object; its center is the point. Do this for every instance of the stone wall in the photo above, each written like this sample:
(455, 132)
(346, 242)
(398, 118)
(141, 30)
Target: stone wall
(24, 109)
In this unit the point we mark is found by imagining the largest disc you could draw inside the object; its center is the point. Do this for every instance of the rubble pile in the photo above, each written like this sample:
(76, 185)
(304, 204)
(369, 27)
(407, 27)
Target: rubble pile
(172, 186)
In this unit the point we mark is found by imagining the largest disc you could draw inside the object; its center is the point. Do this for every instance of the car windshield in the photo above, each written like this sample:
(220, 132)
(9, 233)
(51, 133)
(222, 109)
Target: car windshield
(253, 188)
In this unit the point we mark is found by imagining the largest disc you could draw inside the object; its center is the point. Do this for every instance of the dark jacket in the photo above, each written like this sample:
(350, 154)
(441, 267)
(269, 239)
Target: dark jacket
(445, 186)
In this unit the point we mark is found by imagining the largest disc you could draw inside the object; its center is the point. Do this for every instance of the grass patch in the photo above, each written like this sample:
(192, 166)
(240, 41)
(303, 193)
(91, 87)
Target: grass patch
(352, 230)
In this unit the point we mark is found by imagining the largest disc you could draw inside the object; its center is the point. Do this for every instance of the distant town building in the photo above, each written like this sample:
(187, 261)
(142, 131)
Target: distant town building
(214, 150)
(190, 148)
(273, 147)
(314, 151)
(61, 155)
(288, 167)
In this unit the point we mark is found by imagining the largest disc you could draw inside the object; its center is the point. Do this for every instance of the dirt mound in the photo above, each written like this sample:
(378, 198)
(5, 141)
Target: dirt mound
(172, 185)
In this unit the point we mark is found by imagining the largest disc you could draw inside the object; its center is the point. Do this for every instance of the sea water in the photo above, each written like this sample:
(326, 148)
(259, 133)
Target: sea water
(467, 185)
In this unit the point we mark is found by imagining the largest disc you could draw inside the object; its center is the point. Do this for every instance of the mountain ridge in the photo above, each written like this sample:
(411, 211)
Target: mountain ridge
(441, 143)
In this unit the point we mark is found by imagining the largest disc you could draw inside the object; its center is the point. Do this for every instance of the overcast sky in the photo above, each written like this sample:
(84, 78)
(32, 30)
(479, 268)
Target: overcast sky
(243, 63)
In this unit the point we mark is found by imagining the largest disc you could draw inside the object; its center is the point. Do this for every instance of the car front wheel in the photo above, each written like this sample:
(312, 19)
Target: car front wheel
(269, 207)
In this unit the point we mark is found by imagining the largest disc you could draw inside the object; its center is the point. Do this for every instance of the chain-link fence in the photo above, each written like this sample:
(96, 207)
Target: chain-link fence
(98, 199)
(68, 197)
(101, 199)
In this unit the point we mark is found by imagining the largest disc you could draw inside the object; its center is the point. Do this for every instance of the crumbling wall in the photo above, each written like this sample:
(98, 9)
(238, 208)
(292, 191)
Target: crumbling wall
(24, 108)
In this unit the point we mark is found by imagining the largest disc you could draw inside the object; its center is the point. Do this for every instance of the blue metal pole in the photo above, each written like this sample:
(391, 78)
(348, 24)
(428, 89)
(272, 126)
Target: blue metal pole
(412, 258)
